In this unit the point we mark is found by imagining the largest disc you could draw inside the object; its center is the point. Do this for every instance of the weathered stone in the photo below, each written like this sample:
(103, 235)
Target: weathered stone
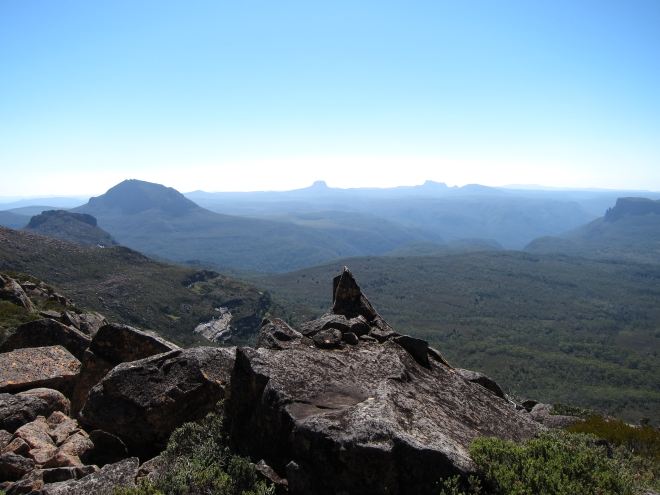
(102, 482)
(481, 379)
(10, 290)
(417, 348)
(143, 401)
(348, 299)
(14, 467)
(30, 484)
(37, 435)
(121, 343)
(47, 332)
(529, 404)
(17, 410)
(328, 339)
(350, 338)
(153, 469)
(268, 474)
(77, 445)
(365, 419)
(276, 334)
(51, 367)
(382, 333)
(435, 354)
(90, 323)
(62, 427)
(108, 448)
(16, 446)
(113, 344)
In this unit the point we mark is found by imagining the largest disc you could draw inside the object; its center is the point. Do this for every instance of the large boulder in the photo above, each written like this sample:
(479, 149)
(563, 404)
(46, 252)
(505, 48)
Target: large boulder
(384, 415)
(122, 343)
(45, 332)
(114, 344)
(24, 407)
(481, 379)
(143, 401)
(50, 367)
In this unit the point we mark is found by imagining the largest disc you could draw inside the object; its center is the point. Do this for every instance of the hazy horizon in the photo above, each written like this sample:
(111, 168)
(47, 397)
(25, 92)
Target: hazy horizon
(221, 96)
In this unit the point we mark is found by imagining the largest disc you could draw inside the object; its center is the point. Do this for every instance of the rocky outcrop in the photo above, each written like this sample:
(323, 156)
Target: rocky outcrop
(68, 226)
(50, 367)
(543, 414)
(47, 332)
(143, 401)
(114, 344)
(481, 379)
(16, 410)
(379, 416)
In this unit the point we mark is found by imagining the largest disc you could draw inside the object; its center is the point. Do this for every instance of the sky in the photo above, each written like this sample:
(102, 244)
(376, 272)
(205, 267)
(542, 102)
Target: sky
(264, 95)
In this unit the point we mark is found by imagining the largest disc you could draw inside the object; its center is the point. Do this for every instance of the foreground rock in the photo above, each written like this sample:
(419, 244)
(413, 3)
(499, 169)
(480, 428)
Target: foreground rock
(379, 416)
(103, 482)
(50, 367)
(17, 410)
(47, 332)
(143, 401)
(114, 344)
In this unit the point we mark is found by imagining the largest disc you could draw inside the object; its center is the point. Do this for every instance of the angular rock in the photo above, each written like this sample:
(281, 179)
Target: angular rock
(103, 482)
(61, 426)
(108, 448)
(113, 344)
(529, 404)
(90, 323)
(348, 299)
(24, 407)
(121, 343)
(143, 401)
(365, 419)
(17, 446)
(10, 290)
(50, 367)
(276, 334)
(328, 339)
(350, 338)
(417, 348)
(47, 332)
(435, 354)
(481, 379)
(14, 467)
(37, 435)
(357, 325)
(54, 475)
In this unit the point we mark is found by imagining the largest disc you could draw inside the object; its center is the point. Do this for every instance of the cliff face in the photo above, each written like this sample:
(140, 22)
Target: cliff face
(632, 206)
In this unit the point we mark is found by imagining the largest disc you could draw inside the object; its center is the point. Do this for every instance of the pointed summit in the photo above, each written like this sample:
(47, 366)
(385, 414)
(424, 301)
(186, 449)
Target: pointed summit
(348, 299)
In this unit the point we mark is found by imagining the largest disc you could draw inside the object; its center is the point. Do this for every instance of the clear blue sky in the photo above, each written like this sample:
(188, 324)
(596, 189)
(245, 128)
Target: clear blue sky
(247, 95)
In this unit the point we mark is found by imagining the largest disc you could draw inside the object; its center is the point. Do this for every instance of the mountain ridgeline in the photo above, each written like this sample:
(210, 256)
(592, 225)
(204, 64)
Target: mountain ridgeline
(74, 227)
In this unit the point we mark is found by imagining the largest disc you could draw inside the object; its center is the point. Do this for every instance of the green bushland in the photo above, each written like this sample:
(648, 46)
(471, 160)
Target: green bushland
(197, 461)
(555, 463)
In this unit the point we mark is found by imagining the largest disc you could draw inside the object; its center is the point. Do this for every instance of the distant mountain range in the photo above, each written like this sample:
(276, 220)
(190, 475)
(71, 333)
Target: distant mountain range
(630, 230)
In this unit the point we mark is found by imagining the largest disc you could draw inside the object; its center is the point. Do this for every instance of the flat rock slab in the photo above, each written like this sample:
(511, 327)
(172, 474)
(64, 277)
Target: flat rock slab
(364, 419)
(47, 332)
(50, 367)
(143, 401)
(106, 481)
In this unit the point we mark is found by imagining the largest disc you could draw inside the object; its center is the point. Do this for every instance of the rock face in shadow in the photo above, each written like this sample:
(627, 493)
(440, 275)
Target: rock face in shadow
(379, 416)
(114, 344)
(143, 401)
(16, 410)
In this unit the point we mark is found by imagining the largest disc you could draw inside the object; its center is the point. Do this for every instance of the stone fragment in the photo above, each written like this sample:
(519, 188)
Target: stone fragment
(10, 290)
(105, 481)
(121, 343)
(24, 407)
(14, 467)
(417, 348)
(276, 334)
(47, 332)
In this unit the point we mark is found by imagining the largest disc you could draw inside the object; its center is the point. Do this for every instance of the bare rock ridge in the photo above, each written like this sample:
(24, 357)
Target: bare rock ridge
(384, 414)
(342, 404)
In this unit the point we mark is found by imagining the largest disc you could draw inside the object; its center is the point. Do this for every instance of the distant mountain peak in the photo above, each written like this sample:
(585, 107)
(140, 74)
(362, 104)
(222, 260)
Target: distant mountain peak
(633, 207)
(134, 196)
(319, 184)
(433, 184)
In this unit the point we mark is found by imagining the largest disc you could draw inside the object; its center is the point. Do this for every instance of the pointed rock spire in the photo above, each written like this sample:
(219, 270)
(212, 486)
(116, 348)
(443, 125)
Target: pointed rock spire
(348, 299)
